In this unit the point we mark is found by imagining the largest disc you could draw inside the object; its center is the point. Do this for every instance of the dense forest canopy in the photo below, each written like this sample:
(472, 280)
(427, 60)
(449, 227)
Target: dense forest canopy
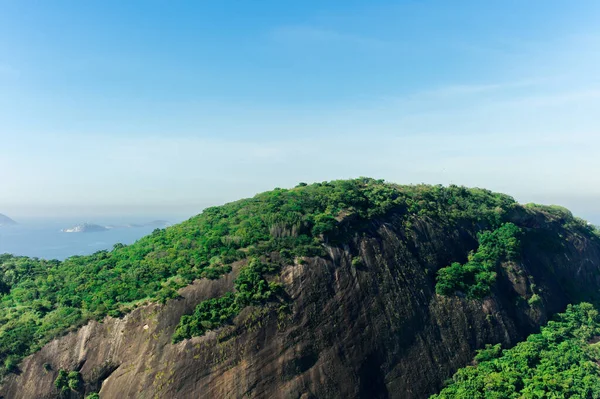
(559, 362)
(42, 299)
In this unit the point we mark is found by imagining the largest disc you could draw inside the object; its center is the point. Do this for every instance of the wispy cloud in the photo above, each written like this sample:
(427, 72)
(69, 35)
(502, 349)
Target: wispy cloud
(457, 90)
(312, 34)
(557, 98)
(490, 106)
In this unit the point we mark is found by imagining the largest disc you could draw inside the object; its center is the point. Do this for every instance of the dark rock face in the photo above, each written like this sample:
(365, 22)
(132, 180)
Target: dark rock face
(368, 329)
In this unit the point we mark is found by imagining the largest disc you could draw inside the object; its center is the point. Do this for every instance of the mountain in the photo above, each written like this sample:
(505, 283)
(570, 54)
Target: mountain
(84, 228)
(353, 288)
(6, 221)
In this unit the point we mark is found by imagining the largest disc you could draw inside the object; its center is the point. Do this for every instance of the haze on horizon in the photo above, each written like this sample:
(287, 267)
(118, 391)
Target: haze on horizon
(160, 107)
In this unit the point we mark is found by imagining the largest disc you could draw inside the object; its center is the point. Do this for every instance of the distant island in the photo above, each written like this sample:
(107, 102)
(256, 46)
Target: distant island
(94, 228)
(6, 221)
(154, 223)
(84, 228)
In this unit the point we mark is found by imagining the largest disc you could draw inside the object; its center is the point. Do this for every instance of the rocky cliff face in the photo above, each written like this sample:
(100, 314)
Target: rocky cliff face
(370, 328)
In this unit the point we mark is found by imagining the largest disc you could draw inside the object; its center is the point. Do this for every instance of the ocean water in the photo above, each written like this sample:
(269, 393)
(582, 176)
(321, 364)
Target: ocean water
(42, 238)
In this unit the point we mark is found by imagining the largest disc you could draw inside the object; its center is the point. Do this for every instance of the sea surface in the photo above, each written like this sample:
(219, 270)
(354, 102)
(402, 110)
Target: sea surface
(43, 238)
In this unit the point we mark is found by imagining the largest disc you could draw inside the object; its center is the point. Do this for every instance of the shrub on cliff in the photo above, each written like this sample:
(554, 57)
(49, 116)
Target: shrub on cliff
(251, 288)
(476, 277)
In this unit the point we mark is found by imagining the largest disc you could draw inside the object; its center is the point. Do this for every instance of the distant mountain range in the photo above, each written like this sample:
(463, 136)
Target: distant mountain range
(6, 221)
(93, 228)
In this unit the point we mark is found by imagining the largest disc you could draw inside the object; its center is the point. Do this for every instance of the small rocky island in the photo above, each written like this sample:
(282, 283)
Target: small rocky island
(84, 228)
(6, 221)
(93, 228)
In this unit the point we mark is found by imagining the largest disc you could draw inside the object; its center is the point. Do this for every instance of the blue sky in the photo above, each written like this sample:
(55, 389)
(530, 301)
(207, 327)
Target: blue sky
(162, 106)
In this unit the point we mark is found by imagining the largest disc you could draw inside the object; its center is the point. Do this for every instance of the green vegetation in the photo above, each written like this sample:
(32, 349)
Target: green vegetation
(559, 362)
(565, 217)
(74, 379)
(476, 277)
(42, 299)
(251, 288)
(534, 300)
(357, 262)
(61, 382)
(68, 380)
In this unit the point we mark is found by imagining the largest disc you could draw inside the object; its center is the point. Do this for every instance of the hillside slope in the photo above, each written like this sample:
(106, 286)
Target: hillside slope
(351, 308)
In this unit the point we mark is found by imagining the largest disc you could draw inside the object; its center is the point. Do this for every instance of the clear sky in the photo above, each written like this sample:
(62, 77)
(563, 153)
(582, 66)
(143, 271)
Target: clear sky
(155, 106)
